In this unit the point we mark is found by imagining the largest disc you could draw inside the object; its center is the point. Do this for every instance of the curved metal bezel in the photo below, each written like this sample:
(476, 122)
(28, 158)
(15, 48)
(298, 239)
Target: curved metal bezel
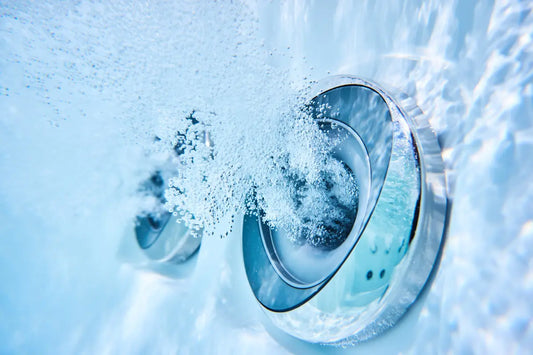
(272, 291)
(172, 242)
(413, 271)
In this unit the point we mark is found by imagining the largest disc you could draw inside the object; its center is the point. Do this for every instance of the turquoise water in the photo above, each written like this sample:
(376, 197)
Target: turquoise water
(85, 87)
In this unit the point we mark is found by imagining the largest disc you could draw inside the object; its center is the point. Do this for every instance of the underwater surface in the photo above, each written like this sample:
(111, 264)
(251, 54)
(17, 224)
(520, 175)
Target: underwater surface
(86, 86)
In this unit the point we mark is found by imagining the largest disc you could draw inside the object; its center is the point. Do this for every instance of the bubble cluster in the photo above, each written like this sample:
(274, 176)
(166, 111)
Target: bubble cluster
(280, 167)
(189, 82)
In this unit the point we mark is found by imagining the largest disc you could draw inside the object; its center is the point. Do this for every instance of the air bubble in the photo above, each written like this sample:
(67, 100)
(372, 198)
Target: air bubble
(288, 173)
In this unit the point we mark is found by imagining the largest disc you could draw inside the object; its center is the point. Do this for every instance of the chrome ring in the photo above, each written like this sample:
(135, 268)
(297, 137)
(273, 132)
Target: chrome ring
(162, 237)
(171, 241)
(364, 285)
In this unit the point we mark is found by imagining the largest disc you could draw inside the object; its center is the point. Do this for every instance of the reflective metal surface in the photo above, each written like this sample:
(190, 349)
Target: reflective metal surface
(363, 285)
(171, 241)
(159, 234)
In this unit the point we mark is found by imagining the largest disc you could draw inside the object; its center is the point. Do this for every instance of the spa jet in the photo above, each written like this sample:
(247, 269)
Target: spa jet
(371, 276)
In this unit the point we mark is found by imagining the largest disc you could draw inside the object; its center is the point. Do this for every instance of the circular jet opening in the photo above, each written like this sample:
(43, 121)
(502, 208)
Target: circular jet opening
(306, 261)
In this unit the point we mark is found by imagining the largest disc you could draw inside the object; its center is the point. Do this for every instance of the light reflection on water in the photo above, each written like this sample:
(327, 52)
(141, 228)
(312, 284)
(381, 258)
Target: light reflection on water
(106, 74)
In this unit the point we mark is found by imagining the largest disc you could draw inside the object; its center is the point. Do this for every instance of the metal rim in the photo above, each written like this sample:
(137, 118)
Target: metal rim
(415, 268)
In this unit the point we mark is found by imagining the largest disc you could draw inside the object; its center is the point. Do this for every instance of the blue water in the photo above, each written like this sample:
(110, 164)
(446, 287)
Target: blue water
(85, 86)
